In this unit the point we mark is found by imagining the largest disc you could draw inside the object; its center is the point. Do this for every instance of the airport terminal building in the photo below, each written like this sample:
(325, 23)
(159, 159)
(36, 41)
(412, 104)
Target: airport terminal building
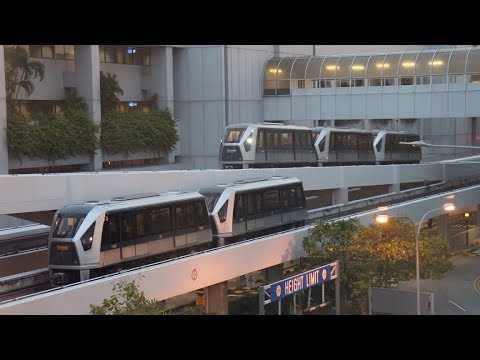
(430, 89)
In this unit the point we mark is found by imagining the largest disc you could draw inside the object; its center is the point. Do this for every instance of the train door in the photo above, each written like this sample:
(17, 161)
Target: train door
(127, 240)
(110, 249)
(239, 215)
(260, 152)
(251, 211)
(180, 219)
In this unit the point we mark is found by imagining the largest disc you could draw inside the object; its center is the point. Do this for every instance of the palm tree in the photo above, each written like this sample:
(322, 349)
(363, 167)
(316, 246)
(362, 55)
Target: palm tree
(20, 71)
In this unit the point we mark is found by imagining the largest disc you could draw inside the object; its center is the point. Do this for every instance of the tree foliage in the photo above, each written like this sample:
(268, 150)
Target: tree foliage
(128, 300)
(376, 255)
(109, 91)
(132, 131)
(20, 71)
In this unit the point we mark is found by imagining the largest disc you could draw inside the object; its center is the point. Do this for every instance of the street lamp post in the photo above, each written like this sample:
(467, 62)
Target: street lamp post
(383, 218)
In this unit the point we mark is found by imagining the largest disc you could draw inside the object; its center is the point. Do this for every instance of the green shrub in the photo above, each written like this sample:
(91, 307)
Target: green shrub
(129, 132)
(51, 136)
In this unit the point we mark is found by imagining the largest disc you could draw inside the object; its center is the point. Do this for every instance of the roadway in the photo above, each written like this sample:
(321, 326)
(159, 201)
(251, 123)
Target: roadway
(458, 293)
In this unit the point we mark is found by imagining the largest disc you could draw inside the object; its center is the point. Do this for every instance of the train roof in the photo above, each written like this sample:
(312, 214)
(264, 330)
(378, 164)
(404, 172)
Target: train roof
(267, 126)
(251, 184)
(342, 129)
(395, 132)
(133, 201)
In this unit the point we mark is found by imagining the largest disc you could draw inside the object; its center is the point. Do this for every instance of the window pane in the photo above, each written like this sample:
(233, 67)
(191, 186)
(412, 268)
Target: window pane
(329, 67)
(35, 50)
(473, 62)
(424, 64)
(59, 51)
(344, 67)
(390, 65)
(47, 51)
(407, 64)
(313, 69)
(109, 55)
(69, 52)
(359, 66)
(439, 63)
(298, 70)
(457, 62)
(375, 66)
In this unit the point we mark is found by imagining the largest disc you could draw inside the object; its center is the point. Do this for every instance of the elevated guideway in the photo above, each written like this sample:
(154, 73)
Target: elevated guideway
(187, 274)
(35, 192)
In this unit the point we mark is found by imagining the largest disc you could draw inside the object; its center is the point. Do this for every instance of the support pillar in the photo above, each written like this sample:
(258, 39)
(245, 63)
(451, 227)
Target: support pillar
(478, 216)
(274, 273)
(443, 228)
(217, 299)
(395, 187)
(87, 83)
(340, 196)
(3, 118)
(161, 64)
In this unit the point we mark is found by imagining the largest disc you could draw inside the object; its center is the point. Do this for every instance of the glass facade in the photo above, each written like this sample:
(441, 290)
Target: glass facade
(425, 67)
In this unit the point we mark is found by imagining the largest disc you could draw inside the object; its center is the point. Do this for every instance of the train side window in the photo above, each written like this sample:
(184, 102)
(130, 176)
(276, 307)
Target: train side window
(238, 208)
(222, 213)
(190, 215)
(201, 213)
(271, 200)
(180, 218)
(300, 196)
(260, 140)
(333, 142)
(140, 220)
(250, 197)
(286, 140)
(321, 144)
(159, 221)
(128, 226)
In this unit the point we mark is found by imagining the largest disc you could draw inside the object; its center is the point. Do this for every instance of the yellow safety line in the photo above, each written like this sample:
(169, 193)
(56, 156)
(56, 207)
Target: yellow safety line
(476, 284)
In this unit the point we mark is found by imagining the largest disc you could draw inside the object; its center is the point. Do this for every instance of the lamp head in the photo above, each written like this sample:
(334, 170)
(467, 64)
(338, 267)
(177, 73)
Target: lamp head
(382, 218)
(449, 207)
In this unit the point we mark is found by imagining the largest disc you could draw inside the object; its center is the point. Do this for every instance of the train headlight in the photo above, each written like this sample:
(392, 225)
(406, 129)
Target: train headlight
(87, 238)
(248, 143)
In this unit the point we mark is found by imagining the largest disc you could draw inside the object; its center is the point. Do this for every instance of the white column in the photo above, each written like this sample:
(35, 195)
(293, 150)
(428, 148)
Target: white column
(161, 63)
(3, 118)
(87, 82)
(395, 187)
(340, 196)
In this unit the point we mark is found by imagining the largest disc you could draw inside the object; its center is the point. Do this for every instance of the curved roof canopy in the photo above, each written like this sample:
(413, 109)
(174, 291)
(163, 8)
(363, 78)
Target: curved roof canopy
(281, 74)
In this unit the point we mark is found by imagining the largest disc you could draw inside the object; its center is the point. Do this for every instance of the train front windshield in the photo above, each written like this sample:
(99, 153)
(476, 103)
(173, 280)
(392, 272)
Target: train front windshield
(67, 225)
(234, 135)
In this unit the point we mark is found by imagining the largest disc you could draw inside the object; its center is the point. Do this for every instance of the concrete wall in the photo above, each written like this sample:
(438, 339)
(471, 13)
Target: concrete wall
(199, 93)
(52, 85)
(129, 78)
(27, 193)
